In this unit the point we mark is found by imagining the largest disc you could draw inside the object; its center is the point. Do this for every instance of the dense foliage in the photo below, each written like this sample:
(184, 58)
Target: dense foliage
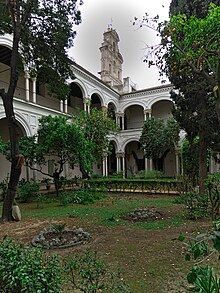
(158, 138)
(42, 34)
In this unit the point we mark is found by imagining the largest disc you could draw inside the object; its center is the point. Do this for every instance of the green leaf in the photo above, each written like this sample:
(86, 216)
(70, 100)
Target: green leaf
(181, 237)
(187, 257)
(191, 277)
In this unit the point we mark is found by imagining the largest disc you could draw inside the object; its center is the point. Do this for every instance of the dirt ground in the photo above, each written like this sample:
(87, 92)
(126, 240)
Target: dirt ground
(152, 261)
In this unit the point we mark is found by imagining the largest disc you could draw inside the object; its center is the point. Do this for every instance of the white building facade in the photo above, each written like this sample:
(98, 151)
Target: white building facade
(130, 107)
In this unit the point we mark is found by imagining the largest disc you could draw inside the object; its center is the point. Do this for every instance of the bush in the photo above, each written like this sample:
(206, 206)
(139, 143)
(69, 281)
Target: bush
(196, 204)
(88, 273)
(149, 174)
(30, 270)
(79, 197)
(25, 269)
(27, 189)
(213, 185)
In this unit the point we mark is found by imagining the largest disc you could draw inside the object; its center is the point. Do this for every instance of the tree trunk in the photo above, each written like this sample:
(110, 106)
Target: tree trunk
(16, 159)
(85, 174)
(217, 103)
(202, 161)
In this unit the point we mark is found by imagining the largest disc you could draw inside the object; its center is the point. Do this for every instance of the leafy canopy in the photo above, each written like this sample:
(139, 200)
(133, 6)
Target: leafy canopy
(45, 30)
(158, 136)
(97, 128)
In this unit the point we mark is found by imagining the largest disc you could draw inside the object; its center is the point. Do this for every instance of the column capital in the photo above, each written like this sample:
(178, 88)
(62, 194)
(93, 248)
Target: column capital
(120, 155)
(120, 114)
(147, 111)
(26, 74)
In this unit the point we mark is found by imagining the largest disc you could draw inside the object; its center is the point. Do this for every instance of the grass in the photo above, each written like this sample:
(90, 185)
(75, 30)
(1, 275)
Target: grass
(149, 258)
(105, 212)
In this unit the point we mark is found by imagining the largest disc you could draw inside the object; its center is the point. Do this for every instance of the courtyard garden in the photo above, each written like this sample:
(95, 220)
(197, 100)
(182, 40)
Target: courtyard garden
(135, 233)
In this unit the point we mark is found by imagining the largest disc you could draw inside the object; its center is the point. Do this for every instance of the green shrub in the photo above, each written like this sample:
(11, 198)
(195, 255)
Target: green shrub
(116, 175)
(25, 269)
(201, 249)
(27, 189)
(90, 274)
(79, 197)
(213, 185)
(196, 203)
(149, 174)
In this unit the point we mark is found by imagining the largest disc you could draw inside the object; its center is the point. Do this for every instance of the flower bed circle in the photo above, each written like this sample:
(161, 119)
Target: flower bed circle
(143, 215)
(50, 239)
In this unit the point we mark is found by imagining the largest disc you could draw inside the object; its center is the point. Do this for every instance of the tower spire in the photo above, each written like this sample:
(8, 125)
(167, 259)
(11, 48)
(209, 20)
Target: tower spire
(111, 59)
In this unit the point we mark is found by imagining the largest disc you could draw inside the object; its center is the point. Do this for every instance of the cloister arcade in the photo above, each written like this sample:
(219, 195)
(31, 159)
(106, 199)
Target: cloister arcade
(32, 100)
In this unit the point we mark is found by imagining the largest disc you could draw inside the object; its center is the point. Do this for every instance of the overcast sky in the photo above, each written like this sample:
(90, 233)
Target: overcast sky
(97, 15)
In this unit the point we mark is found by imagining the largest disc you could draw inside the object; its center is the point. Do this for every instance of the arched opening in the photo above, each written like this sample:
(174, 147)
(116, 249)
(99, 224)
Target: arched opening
(162, 109)
(5, 164)
(96, 102)
(134, 117)
(5, 55)
(75, 100)
(5, 59)
(134, 158)
(111, 111)
(112, 163)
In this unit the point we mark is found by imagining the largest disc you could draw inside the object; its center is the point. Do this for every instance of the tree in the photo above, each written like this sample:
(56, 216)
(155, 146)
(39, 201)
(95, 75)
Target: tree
(158, 138)
(76, 140)
(197, 8)
(42, 32)
(97, 127)
(60, 139)
(194, 109)
(189, 44)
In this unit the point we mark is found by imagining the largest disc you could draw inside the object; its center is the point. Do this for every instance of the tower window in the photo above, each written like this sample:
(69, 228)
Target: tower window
(113, 46)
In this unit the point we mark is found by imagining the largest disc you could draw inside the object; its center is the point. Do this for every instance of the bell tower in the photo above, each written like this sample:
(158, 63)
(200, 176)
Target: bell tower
(111, 59)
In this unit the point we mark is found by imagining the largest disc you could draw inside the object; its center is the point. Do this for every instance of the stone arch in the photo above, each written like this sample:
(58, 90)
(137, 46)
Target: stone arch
(7, 41)
(112, 110)
(133, 117)
(23, 130)
(162, 109)
(112, 161)
(134, 157)
(136, 103)
(100, 96)
(158, 99)
(21, 121)
(96, 101)
(81, 85)
(75, 100)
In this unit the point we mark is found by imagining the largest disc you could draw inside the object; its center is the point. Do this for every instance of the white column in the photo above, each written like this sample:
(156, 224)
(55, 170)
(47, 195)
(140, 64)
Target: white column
(151, 164)
(177, 163)
(106, 166)
(118, 163)
(88, 105)
(145, 164)
(147, 113)
(27, 86)
(84, 104)
(123, 165)
(34, 82)
(123, 122)
(103, 167)
(61, 105)
(65, 106)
